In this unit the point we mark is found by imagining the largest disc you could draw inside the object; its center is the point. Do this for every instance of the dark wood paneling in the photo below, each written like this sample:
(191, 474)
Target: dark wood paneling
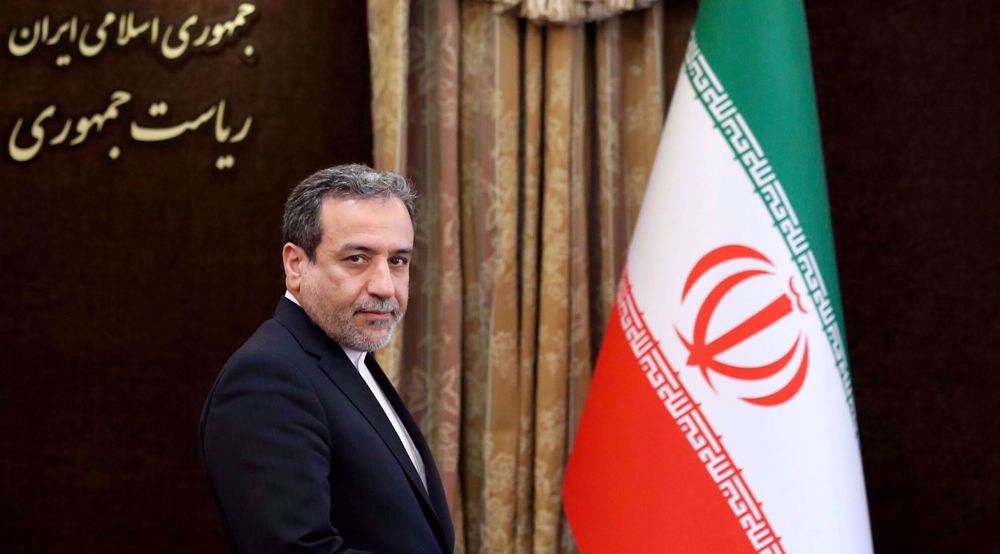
(125, 285)
(907, 94)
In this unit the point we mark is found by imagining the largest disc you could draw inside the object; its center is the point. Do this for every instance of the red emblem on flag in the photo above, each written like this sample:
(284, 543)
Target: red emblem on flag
(704, 353)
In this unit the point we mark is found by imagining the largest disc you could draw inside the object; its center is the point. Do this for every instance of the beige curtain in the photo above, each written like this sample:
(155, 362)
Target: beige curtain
(530, 147)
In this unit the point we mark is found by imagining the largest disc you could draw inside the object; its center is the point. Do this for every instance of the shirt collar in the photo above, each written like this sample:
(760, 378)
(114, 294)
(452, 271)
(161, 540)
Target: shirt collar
(357, 356)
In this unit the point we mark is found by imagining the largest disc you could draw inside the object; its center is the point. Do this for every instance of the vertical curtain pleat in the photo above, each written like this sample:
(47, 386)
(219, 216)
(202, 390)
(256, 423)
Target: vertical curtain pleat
(504, 415)
(644, 102)
(530, 229)
(610, 222)
(430, 380)
(475, 137)
(581, 289)
(490, 141)
(559, 139)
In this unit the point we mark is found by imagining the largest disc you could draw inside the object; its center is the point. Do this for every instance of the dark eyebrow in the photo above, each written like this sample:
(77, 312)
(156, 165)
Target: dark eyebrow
(366, 249)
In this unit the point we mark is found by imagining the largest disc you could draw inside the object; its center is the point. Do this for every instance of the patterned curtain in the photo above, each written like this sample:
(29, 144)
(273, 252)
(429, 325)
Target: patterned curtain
(530, 147)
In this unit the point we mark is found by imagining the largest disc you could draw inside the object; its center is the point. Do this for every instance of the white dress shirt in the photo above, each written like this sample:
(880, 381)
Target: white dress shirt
(357, 358)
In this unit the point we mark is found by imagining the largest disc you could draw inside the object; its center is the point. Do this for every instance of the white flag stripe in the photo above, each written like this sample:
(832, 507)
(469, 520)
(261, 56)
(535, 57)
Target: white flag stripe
(773, 194)
(700, 435)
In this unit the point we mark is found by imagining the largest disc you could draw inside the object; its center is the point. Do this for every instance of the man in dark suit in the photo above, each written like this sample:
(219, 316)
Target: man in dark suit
(308, 447)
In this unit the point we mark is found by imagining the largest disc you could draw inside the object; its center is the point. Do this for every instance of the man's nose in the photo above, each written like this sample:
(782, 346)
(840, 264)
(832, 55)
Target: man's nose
(380, 282)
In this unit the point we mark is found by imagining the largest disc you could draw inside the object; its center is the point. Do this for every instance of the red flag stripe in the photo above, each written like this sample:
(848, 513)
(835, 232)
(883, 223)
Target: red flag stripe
(702, 438)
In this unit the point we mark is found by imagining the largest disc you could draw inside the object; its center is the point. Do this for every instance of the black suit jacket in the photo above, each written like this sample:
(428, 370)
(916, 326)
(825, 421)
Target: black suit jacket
(302, 458)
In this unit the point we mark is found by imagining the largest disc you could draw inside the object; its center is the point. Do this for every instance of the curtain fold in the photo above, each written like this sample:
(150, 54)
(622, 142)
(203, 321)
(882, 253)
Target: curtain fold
(488, 118)
(529, 147)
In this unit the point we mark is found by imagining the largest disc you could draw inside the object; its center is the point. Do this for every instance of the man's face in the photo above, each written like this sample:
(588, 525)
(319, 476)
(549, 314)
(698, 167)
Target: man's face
(357, 287)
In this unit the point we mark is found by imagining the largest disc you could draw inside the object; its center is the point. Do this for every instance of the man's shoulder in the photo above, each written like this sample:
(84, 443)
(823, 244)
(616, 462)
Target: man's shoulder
(270, 337)
(270, 362)
(271, 345)
(267, 381)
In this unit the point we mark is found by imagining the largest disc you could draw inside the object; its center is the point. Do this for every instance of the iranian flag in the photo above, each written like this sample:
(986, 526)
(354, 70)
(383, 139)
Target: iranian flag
(720, 417)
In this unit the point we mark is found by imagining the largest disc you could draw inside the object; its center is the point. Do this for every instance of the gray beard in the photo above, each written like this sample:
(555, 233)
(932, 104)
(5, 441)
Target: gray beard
(347, 334)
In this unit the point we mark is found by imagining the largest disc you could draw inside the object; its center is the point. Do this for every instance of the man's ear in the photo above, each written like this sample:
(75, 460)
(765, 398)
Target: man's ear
(294, 260)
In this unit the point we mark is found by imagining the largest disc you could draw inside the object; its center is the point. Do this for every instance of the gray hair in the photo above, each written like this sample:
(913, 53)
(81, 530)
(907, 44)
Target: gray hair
(301, 225)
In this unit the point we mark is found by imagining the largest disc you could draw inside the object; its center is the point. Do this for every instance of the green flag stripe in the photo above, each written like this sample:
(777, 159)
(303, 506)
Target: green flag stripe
(760, 50)
(745, 147)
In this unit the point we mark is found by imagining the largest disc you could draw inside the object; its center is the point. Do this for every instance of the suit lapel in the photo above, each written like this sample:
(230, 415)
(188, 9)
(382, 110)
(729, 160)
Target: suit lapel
(435, 489)
(338, 367)
(343, 373)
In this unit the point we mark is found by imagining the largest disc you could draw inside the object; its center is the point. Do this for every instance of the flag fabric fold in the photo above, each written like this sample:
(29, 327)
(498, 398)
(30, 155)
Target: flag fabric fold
(721, 416)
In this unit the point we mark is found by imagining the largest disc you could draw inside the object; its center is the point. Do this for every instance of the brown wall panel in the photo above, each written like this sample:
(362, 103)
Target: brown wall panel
(907, 93)
(125, 284)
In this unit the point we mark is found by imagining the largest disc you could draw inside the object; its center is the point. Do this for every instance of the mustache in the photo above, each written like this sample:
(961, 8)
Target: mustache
(375, 305)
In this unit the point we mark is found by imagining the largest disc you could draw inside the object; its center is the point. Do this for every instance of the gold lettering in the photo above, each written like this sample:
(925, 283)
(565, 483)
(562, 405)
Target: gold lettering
(150, 134)
(242, 134)
(37, 132)
(61, 137)
(67, 28)
(84, 124)
(23, 34)
(101, 33)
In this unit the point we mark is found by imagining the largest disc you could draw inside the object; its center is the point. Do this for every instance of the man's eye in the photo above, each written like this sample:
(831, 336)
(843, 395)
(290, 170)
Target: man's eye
(357, 258)
(399, 261)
